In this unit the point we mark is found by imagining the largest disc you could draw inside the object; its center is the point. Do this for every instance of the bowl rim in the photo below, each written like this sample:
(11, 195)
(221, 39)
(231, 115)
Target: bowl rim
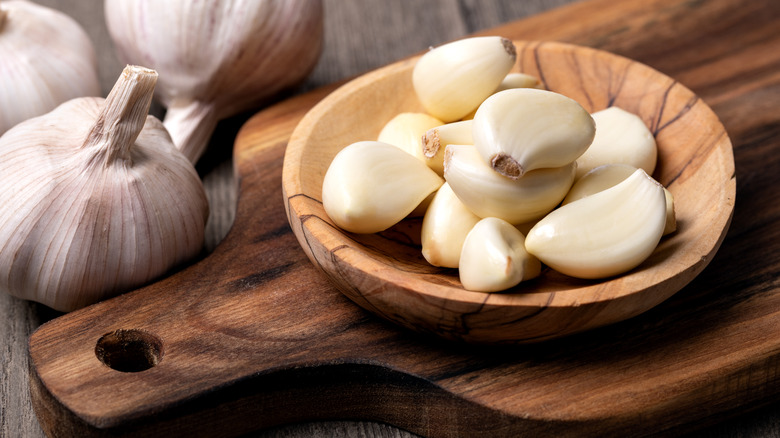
(664, 286)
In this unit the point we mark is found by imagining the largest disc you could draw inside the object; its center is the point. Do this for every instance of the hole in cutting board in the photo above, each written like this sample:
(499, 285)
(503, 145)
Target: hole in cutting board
(129, 351)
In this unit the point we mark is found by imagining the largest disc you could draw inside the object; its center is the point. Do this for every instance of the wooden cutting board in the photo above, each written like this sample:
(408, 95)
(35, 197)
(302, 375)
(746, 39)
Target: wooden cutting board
(253, 336)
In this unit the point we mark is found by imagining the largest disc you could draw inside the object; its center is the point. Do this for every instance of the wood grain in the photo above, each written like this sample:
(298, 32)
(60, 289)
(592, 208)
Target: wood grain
(710, 46)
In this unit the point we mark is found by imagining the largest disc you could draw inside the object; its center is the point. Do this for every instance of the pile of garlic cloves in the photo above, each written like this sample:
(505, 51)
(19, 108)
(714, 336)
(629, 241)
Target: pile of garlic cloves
(98, 201)
(515, 177)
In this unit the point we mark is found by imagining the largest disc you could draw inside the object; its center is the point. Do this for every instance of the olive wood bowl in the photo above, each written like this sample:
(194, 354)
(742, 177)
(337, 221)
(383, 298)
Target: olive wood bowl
(386, 273)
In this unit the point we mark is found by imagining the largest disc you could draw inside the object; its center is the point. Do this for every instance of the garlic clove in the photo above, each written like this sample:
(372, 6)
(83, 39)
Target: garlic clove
(608, 175)
(597, 180)
(370, 186)
(604, 234)
(406, 131)
(444, 228)
(489, 194)
(99, 200)
(494, 257)
(621, 138)
(47, 59)
(523, 129)
(453, 79)
(512, 80)
(436, 139)
(519, 80)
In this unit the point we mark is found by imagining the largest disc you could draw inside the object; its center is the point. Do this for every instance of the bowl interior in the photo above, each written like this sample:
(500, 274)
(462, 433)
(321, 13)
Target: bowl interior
(386, 273)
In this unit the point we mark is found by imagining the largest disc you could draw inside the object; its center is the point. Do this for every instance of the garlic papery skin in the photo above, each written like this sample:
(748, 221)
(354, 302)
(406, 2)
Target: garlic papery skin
(522, 129)
(216, 58)
(621, 138)
(494, 257)
(370, 186)
(406, 131)
(47, 59)
(609, 175)
(98, 199)
(604, 234)
(488, 194)
(444, 228)
(435, 141)
(453, 79)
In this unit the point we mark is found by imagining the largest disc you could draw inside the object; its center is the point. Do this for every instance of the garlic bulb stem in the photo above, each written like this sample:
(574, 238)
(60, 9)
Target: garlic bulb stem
(3, 15)
(190, 126)
(123, 115)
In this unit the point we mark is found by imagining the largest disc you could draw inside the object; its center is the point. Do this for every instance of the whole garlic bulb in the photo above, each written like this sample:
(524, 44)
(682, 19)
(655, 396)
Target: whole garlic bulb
(216, 58)
(47, 59)
(96, 199)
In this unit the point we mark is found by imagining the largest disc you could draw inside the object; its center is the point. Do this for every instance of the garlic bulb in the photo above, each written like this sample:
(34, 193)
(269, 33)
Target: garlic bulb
(47, 59)
(97, 201)
(216, 58)
(604, 234)
(370, 186)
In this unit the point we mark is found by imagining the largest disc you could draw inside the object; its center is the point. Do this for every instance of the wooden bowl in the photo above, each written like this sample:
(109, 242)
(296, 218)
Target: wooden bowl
(386, 274)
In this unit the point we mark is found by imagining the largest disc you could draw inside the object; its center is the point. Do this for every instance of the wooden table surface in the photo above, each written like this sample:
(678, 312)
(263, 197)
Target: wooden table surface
(359, 35)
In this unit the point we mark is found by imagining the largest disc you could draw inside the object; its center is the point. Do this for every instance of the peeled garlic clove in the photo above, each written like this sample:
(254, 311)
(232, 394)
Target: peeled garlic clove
(512, 80)
(597, 180)
(47, 59)
(519, 80)
(494, 257)
(621, 138)
(604, 234)
(453, 79)
(97, 201)
(609, 175)
(216, 59)
(435, 141)
(406, 131)
(444, 228)
(370, 186)
(523, 129)
(486, 193)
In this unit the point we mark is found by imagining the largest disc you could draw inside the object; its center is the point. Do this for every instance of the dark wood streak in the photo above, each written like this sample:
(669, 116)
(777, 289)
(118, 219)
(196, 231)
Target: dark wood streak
(700, 151)
(538, 63)
(612, 95)
(690, 104)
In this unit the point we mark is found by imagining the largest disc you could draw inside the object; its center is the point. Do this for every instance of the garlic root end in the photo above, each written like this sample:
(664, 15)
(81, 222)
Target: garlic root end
(507, 166)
